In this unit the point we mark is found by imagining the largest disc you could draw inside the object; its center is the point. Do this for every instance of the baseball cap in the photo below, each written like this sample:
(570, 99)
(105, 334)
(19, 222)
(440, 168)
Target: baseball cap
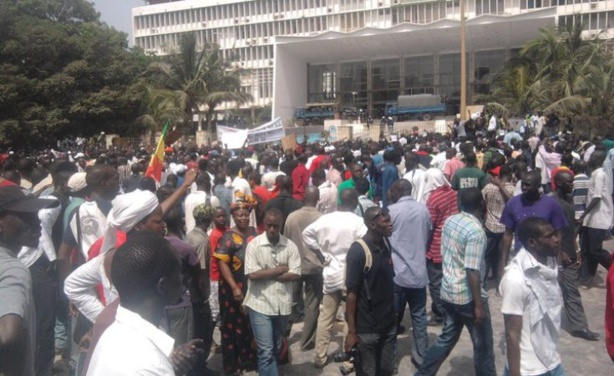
(13, 199)
(77, 182)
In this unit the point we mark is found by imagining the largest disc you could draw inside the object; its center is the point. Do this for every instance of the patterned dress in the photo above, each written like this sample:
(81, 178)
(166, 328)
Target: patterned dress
(238, 351)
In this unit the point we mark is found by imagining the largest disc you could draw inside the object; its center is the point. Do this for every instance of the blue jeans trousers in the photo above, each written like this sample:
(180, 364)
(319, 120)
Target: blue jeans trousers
(416, 298)
(375, 353)
(456, 317)
(268, 334)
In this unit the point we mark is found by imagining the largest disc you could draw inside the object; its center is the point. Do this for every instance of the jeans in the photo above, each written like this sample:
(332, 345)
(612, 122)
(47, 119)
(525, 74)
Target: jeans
(44, 285)
(416, 298)
(375, 353)
(62, 321)
(558, 371)
(491, 257)
(268, 333)
(457, 317)
(435, 273)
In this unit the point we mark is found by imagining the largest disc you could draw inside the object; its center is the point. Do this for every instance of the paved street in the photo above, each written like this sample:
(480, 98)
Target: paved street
(580, 357)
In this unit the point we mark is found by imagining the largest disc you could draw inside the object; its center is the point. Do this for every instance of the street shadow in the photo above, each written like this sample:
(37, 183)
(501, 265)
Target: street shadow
(461, 366)
(306, 368)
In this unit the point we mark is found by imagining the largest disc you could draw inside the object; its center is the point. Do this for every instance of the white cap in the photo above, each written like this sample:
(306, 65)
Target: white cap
(77, 182)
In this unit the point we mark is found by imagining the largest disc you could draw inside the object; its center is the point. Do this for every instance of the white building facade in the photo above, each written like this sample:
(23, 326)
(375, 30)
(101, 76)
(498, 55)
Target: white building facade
(359, 53)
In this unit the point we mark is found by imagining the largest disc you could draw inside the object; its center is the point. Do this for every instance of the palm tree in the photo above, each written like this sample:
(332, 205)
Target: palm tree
(558, 72)
(160, 106)
(203, 76)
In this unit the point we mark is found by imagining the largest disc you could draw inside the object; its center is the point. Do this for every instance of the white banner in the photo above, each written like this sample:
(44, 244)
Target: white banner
(234, 138)
(272, 131)
(221, 130)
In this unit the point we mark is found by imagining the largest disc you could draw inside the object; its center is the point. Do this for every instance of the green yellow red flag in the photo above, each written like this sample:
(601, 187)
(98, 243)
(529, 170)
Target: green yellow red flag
(154, 170)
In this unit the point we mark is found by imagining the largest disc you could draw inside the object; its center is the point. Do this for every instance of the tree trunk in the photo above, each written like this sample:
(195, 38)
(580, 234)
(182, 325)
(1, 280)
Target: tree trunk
(209, 116)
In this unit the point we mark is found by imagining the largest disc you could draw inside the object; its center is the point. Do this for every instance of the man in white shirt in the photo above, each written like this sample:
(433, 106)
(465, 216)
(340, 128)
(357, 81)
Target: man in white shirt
(272, 262)
(328, 192)
(201, 196)
(332, 235)
(415, 175)
(596, 219)
(268, 179)
(146, 273)
(532, 302)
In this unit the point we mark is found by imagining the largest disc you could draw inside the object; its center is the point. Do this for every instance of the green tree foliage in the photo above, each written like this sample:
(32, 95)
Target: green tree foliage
(203, 76)
(561, 72)
(64, 73)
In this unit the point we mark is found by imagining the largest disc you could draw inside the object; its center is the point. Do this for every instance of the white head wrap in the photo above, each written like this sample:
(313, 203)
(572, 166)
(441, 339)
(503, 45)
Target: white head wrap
(433, 179)
(128, 210)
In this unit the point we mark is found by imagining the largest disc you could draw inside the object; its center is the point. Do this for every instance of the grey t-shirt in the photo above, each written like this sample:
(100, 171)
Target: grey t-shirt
(16, 298)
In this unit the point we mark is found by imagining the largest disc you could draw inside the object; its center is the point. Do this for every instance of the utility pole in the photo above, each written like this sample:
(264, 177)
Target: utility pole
(463, 70)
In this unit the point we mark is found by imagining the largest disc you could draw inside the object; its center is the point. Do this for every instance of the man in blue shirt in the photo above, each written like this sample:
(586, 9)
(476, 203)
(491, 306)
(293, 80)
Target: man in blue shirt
(411, 226)
(388, 174)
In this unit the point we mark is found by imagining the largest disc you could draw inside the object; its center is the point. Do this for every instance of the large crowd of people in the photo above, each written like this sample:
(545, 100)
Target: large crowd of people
(140, 271)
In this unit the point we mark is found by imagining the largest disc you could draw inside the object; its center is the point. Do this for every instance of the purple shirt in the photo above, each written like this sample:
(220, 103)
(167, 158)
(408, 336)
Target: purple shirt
(516, 211)
(188, 257)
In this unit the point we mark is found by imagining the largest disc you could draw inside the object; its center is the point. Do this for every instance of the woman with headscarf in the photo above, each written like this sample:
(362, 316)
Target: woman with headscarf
(440, 199)
(238, 354)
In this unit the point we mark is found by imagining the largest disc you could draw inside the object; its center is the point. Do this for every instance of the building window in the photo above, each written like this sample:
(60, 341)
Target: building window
(322, 83)
(487, 64)
(419, 75)
(353, 82)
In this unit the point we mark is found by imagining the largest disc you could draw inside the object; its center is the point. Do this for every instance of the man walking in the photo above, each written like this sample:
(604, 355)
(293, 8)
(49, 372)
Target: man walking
(529, 204)
(272, 262)
(371, 317)
(311, 267)
(332, 235)
(496, 194)
(569, 275)
(531, 303)
(411, 225)
(464, 300)
(596, 219)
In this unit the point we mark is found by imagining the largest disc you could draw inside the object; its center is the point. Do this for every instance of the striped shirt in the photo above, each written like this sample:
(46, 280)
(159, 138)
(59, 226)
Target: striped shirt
(463, 243)
(268, 296)
(580, 192)
(494, 206)
(441, 204)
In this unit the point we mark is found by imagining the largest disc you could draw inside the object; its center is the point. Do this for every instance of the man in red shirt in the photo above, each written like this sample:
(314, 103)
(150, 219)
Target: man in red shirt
(300, 178)
(441, 203)
(609, 312)
(315, 164)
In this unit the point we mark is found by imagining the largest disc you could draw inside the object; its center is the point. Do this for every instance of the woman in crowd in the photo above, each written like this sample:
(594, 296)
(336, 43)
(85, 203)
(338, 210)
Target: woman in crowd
(237, 351)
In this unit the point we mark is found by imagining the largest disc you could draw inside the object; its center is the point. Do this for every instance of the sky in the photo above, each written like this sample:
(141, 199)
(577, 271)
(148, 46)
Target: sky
(118, 13)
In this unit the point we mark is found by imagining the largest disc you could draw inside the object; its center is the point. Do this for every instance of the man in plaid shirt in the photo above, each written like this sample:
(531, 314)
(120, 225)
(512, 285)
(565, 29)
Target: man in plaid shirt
(464, 300)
